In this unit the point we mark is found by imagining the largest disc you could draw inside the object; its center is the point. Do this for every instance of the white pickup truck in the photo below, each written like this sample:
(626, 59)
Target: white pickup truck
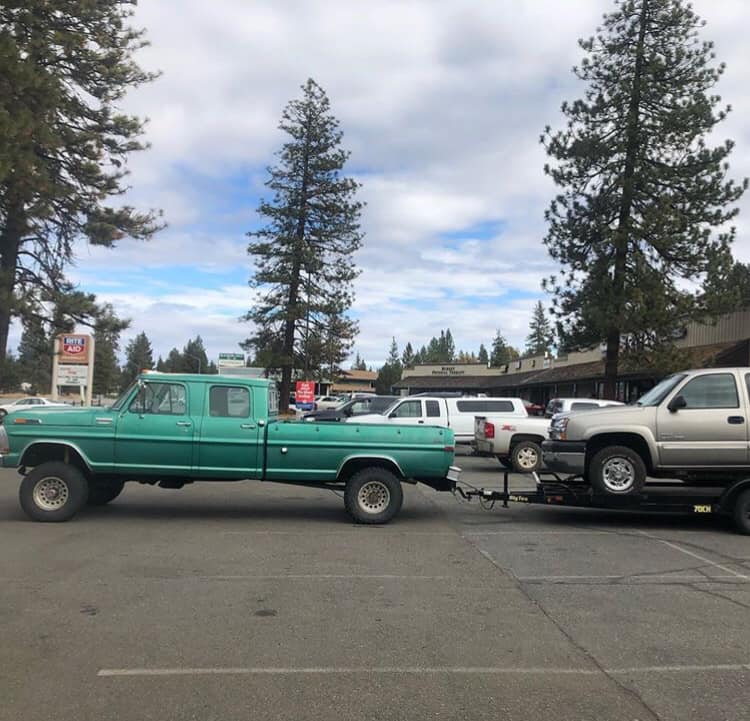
(514, 439)
(456, 413)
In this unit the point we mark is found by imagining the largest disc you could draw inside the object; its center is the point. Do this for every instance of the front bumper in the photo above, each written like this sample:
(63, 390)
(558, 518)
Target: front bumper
(565, 456)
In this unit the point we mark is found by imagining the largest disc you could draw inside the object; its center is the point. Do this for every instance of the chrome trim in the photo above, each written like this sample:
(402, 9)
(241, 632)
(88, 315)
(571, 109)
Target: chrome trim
(103, 421)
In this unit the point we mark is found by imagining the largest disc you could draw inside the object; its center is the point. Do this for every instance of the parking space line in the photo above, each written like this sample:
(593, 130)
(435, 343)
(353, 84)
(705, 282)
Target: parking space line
(416, 670)
(638, 577)
(308, 577)
(369, 533)
(696, 556)
(531, 532)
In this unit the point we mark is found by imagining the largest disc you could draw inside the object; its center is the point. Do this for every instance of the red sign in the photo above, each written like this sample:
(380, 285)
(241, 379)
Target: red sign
(74, 348)
(305, 393)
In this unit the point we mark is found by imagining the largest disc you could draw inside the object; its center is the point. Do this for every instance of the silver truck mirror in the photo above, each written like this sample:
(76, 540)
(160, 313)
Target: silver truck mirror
(676, 403)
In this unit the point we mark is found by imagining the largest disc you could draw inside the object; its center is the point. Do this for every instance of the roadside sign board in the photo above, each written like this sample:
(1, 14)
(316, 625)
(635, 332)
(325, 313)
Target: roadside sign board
(72, 375)
(305, 395)
(231, 360)
(74, 348)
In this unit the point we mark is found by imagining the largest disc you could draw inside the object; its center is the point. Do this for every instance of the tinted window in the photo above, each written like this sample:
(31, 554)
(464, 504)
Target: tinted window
(229, 402)
(408, 409)
(485, 406)
(164, 399)
(433, 409)
(582, 406)
(717, 390)
(378, 405)
(360, 407)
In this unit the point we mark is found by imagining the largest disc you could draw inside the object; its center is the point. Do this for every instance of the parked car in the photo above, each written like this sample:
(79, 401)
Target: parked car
(693, 425)
(352, 409)
(176, 429)
(566, 405)
(26, 404)
(456, 413)
(515, 439)
(323, 403)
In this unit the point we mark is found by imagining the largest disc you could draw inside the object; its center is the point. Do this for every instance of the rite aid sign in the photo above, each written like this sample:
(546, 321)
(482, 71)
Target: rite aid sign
(74, 348)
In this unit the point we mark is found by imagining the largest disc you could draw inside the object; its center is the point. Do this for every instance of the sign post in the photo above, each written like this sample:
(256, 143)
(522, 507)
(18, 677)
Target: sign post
(73, 365)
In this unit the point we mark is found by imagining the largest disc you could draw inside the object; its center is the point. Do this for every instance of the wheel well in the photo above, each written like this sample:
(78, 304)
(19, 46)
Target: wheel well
(629, 440)
(729, 497)
(520, 437)
(42, 452)
(354, 465)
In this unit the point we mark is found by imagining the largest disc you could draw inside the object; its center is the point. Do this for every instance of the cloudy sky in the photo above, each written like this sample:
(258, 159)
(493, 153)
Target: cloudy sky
(441, 103)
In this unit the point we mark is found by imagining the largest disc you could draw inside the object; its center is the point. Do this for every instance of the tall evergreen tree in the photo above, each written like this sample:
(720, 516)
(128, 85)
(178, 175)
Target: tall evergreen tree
(35, 351)
(390, 373)
(64, 69)
(106, 344)
(407, 357)
(194, 358)
(540, 338)
(502, 353)
(483, 356)
(304, 253)
(641, 190)
(138, 356)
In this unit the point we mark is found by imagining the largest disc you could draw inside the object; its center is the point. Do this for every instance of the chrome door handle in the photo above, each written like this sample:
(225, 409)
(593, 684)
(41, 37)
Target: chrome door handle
(736, 420)
(247, 425)
(184, 424)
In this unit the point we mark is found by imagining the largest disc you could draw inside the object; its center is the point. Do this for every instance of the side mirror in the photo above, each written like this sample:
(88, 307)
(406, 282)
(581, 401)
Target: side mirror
(676, 403)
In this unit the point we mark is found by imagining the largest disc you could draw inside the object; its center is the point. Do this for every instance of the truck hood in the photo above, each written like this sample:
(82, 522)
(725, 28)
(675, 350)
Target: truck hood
(607, 413)
(62, 416)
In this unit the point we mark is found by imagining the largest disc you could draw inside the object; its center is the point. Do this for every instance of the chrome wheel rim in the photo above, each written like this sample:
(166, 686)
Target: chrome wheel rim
(374, 497)
(618, 475)
(51, 493)
(527, 458)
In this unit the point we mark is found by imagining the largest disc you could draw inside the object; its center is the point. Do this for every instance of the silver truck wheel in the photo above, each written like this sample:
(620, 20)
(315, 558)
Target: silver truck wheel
(373, 495)
(526, 457)
(53, 491)
(617, 470)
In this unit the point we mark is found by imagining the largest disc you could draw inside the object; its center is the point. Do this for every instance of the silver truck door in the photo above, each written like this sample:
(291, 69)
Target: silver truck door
(710, 430)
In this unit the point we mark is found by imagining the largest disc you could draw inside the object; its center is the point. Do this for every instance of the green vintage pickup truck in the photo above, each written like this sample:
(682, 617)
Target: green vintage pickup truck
(172, 429)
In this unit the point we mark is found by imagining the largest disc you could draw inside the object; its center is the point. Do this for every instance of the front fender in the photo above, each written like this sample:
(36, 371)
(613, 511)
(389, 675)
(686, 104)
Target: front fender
(643, 432)
(56, 450)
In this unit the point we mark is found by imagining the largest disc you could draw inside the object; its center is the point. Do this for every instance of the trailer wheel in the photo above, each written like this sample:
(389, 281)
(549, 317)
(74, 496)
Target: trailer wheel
(617, 470)
(742, 513)
(102, 492)
(526, 457)
(373, 495)
(53, 492)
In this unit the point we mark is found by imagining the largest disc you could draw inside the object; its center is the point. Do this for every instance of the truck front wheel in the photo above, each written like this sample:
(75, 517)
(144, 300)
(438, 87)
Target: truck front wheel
(617, 470)
(53, 491)
(373, 495)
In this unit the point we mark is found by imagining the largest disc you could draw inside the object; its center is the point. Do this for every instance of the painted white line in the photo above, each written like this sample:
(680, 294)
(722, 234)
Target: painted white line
(421, 670)
(415, 670)
(366, 532)
(538, 533)
(312, 577)
(665, 577)
(697, 556)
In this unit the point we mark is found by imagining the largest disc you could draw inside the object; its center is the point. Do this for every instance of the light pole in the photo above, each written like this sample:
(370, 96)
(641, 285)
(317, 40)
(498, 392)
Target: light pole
(194, 357)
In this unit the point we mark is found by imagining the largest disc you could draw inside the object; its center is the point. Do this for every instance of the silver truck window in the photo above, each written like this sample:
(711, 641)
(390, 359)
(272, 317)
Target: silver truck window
(229, 402)
(660, 391)
(433, 409)
(717, 390)
(583, 406)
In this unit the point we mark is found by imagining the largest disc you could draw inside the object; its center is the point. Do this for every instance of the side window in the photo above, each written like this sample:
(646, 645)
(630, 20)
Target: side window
(717, 390)
(163, 399)
(582, 406)
(360, 407)
(433, 409)
(229, 402)
(273, 400)
(408, 409)
(485, 406)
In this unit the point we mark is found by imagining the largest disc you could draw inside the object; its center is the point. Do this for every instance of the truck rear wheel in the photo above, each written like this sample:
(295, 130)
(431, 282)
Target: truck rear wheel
(617, 470)
(102, 492)
(373, 495)
(526, 457)
(53, 492)
(742, 513)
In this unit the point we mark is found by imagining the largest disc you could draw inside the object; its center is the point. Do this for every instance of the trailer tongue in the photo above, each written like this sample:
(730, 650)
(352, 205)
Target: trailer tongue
(660, 497)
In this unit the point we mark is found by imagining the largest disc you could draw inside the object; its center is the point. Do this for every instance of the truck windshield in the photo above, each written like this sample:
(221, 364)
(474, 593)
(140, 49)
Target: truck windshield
(660, 391)
(117, 405)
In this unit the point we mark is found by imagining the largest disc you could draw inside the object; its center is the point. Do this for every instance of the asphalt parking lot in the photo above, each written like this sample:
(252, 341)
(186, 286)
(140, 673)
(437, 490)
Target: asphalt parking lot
(250, 601)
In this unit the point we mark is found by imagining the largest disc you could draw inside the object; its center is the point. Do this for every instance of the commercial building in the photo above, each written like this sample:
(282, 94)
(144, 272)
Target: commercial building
(724, 343)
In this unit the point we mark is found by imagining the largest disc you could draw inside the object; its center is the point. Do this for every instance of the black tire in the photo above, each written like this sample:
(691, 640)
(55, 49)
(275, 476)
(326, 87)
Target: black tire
(526, 457)
(505, 462)
(53, 492)
(373, 495)
(617, 471)
(741, 513)
(102, 492)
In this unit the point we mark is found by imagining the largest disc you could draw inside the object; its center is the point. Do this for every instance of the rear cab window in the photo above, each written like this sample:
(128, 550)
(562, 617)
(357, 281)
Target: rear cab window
(229, 402)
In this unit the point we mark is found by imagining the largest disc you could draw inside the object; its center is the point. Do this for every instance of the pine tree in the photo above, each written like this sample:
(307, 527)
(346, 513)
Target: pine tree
(194, 358)
(106, 344)
(390, 373)
(64, 142)
(641, 190)
(304, 253)
(540, 338)
(502, 353)
(139, 356)
(407, 358)
(483, 356)
(173, 363)
(35, 356)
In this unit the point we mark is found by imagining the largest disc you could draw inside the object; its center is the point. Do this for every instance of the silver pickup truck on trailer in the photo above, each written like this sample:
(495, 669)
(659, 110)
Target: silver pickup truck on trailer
(693, 425)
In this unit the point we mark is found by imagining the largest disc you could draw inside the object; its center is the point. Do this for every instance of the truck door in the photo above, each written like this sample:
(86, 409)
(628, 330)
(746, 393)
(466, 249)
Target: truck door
(710, 430)
(230, 434)
(408, 413)
(155, 432)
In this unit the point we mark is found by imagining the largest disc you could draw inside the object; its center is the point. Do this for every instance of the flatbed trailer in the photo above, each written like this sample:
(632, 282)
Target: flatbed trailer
(657, 496)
